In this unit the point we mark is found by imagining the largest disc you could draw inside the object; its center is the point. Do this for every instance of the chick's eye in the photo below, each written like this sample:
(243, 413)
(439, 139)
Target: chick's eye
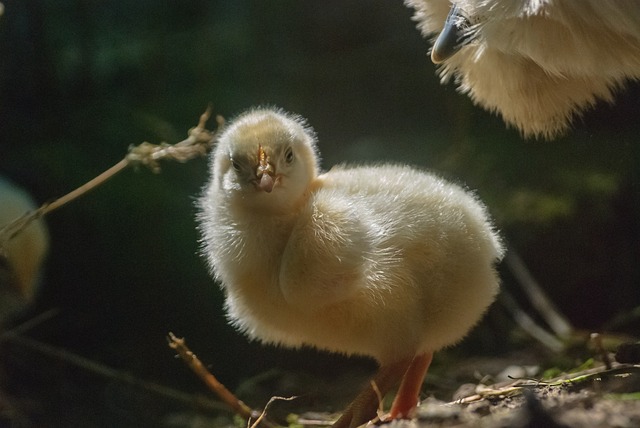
(235, 165)
(288, 155)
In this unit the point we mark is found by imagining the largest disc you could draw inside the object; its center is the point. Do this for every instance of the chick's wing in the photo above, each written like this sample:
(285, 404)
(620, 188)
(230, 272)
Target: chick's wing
(325, 258)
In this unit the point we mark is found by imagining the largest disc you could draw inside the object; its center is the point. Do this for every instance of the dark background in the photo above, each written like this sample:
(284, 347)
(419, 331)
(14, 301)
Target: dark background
(82, 80)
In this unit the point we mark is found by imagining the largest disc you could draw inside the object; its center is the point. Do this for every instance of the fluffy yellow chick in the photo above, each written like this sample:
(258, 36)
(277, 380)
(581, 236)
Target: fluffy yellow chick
(22, 257)
(537, 63)
(385, 261)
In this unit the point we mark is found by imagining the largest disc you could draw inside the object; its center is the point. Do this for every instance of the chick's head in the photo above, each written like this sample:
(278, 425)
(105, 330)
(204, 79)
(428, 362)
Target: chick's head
(266, 159)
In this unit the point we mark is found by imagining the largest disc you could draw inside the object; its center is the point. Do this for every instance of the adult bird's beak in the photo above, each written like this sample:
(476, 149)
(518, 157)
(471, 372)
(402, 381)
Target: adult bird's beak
(265, 171)
(452, 37)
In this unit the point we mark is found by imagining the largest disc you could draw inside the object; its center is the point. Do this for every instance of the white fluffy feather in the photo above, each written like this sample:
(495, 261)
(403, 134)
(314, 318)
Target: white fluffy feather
(383, 261)
(540, 63)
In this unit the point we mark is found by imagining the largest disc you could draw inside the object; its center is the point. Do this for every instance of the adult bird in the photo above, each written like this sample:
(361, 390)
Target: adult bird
(385, 261)
(538, 63)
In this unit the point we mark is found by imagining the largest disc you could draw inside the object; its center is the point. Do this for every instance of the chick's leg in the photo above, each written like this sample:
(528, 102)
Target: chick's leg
(365, 405)
(408, 395)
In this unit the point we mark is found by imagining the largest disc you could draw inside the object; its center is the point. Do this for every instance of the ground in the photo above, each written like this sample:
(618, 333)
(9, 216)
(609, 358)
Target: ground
(50, 387)
(596, 396)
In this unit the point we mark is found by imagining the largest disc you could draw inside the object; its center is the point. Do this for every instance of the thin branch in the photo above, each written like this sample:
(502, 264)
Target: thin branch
(198, 143)
(375, 388)
(89, 185)
(528, 324)
(596, 340)
(29, 324)
(239, 407)
(516, 387)
(110, 373)
(556, 321)
(264, 411)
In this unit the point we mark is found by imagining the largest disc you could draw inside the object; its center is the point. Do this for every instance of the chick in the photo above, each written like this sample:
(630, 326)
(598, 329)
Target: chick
(385, 261)
(537, 63)
(21, 257)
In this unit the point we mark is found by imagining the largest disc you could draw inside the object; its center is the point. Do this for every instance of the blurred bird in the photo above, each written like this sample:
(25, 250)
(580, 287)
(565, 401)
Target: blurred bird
(538, 63)
(22, 256)
(385, 261)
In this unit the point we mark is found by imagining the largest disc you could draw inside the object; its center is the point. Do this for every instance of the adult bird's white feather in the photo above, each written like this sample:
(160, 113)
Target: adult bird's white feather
(538, 63)
(386, 261)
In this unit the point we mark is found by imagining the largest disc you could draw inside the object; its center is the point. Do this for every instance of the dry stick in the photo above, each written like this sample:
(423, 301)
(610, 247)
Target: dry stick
(264, 411)
(557, 322)
(179, 345)
(198, 143)
(596, 339)
(89, 185)
(110, 373)
(528, 324)
(516, 387)
(380, 411)
(29, 324)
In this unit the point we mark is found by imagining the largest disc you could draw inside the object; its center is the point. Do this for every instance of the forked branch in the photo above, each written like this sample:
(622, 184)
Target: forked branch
(198, 143)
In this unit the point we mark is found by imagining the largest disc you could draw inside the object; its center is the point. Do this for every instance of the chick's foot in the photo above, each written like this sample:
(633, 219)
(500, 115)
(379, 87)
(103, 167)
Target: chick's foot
(364, 407)
(408, 395)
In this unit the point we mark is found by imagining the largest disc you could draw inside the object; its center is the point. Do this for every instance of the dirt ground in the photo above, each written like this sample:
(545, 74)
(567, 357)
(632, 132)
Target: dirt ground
(597, 397)
(592, 395)
(510, 391)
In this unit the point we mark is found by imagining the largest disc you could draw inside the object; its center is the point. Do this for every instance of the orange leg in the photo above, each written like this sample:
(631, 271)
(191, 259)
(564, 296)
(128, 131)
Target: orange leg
(408, 395)
(365, 405)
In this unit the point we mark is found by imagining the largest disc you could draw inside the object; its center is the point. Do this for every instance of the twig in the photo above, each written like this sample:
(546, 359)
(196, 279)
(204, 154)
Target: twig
(110, 373)
(199, 141)
(239, 407)
(29, 324)
(264, 411)
(516, 387)
(528, 324)
(556, 321)
(197, 144)
(375, 388)
(596, 340)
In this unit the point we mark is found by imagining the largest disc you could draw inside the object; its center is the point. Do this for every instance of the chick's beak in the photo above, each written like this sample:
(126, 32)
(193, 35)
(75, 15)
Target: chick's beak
(266, 180)
(265, 172)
